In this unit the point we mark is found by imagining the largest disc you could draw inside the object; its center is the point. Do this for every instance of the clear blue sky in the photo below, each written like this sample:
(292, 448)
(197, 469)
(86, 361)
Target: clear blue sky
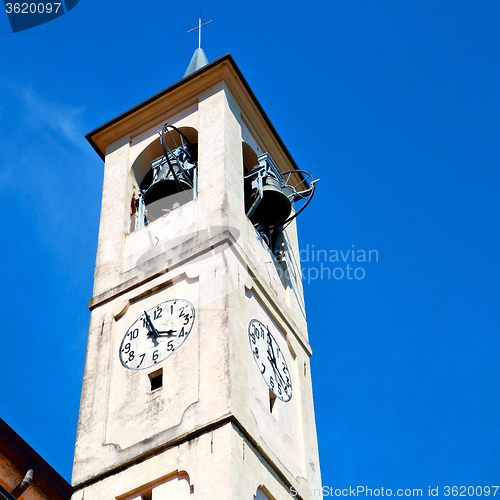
(393, 104)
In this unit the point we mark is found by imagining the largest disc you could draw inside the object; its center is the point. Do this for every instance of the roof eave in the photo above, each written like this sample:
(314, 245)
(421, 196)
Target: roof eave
(23, 457)
(225, 58)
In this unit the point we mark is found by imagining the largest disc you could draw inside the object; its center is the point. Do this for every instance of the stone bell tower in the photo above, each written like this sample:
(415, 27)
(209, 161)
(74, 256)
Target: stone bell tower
(197, 381)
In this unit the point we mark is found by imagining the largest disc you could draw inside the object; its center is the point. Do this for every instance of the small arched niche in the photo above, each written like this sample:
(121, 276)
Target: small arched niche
(161, 186)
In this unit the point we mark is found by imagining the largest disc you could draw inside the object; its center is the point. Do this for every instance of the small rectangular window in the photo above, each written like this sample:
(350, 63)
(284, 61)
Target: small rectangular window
(156, 379)
(272, 400)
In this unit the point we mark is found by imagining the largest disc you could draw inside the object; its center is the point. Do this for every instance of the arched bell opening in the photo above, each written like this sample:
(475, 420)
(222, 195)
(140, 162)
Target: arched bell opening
(166, 174)
(267, 199)
(274, 198)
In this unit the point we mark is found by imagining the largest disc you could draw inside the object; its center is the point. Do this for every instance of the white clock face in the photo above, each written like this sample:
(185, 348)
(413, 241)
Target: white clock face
(156, 334)
(270, 360)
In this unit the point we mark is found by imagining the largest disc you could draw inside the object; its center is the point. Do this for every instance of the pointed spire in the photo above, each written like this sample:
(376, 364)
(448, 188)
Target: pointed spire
(198, 60)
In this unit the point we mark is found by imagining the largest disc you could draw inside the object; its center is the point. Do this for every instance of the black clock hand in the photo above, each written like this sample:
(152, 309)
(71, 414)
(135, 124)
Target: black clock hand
(272, 358)
(270, 346)
(276, 371)
(152, 328)
(166, 333)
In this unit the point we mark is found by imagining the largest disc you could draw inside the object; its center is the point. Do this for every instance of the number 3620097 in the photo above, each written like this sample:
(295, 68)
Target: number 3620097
(32, 8)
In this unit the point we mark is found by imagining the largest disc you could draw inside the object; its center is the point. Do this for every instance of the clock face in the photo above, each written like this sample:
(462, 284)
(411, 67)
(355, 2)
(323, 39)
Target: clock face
(156, 334)
(270, 360)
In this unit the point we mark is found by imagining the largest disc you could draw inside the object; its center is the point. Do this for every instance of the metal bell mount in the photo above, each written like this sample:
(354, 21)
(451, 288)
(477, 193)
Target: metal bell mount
(174, 176)
(271, 197)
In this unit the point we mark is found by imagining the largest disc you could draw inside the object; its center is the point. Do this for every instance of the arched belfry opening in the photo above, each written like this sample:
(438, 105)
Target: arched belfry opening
(273, 198)
(166, 174)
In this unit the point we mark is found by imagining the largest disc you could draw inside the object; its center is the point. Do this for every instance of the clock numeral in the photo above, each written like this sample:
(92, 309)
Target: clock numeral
(271, 383)
(254, 340)
(256, 352)
(131, 356)
(134, 333)
(126, 349)
(185, 316)
(157, 313)
(170, 345)
(142, 359)
(279, 389)
(181, 333)
(155, 355)
(263, 368)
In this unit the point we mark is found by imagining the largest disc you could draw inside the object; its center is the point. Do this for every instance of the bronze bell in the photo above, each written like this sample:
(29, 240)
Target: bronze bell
(275, 206)
(171, 180)
(166, 191)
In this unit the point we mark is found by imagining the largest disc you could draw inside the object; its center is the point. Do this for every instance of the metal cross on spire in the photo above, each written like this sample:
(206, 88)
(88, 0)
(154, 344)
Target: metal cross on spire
(199, 28)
